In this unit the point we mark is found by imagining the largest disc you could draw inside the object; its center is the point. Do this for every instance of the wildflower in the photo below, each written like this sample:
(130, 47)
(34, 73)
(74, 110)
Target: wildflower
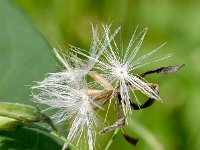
(69, 93)
(118, 66)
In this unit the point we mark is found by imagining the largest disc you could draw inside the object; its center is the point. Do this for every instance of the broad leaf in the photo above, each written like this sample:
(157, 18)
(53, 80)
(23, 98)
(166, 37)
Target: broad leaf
(25, 56)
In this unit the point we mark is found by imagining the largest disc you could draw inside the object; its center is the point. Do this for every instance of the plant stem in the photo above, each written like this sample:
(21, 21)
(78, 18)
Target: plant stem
(112, 139)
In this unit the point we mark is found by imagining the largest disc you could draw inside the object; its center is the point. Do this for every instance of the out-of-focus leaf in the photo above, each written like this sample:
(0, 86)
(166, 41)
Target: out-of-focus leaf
(25, 56)
(9, 124)
(26, 139)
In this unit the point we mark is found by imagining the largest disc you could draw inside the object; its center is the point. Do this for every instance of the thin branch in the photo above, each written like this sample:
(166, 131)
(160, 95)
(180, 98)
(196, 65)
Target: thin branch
(148, 103)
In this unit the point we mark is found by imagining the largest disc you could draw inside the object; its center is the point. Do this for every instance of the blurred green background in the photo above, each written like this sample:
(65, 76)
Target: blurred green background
(25, 56)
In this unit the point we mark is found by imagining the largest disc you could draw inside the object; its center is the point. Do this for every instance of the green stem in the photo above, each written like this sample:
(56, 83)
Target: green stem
(112, 139)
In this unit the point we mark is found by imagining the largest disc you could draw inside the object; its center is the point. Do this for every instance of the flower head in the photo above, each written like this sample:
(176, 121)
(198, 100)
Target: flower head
(118, 65)
(85, 120)
(72, 102)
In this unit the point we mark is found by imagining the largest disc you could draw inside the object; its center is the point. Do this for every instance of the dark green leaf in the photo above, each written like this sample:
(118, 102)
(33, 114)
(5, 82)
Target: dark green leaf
(26, 139)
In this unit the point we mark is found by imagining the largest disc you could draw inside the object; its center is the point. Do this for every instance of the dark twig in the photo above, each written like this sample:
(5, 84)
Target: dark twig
(162, 70)
(148, 103)
(118, 124)
(135, 106)
(128, 138)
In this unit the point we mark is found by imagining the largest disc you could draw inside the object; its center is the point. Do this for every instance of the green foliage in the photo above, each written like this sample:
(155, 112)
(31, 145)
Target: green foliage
(27, 139)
